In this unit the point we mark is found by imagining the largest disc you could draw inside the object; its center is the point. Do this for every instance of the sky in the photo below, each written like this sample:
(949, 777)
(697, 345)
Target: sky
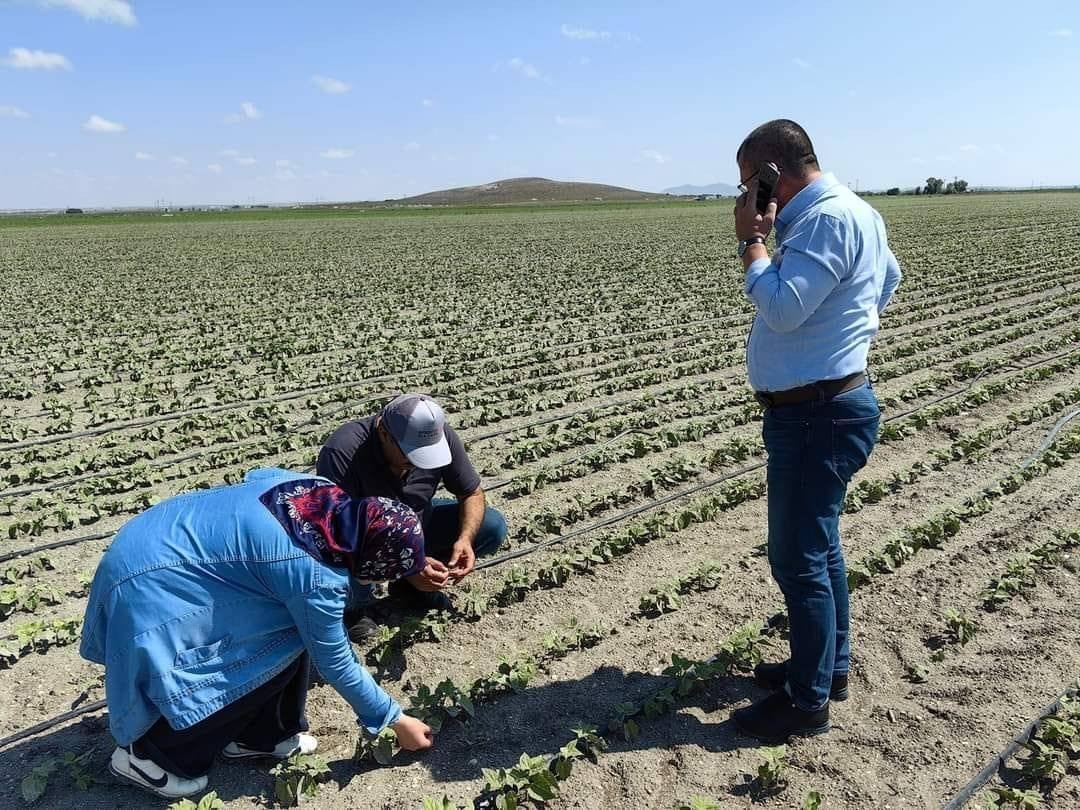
(131, 102)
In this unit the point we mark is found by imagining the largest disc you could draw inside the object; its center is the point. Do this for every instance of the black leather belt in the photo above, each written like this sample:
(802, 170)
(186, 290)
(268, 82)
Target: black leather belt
(822, 390)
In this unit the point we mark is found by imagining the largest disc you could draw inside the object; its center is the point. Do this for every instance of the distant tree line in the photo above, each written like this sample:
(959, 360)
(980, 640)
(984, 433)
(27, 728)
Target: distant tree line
(935, 185)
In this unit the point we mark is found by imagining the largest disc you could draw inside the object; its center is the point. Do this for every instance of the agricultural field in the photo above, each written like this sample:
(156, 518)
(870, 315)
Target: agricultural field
(592, 359)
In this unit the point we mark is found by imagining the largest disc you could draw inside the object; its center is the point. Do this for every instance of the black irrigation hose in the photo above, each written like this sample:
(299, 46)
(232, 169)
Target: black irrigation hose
(998, 760)
(71, 541)
(45, 725)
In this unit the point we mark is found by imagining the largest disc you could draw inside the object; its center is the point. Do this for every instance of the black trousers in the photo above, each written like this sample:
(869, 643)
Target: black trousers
(260, 720)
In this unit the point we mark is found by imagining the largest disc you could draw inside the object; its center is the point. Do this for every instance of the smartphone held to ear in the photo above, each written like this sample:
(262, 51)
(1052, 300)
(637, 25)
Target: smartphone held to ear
(767, 177)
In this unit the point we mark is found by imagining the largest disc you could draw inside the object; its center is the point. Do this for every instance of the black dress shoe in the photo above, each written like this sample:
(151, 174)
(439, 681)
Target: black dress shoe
(361, 629)
(417, 600)
(774, 676)
(776, 718)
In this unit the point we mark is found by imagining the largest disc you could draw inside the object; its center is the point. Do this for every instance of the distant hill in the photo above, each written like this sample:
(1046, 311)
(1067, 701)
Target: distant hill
(723, 189)
(527, 189)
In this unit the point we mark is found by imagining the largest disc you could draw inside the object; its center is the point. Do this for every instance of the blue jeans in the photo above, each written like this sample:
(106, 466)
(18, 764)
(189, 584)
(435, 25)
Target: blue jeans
(814, 449)
(440, 534)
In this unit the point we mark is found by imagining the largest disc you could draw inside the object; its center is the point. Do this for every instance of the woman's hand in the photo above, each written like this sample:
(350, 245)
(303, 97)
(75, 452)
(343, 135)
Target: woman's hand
(413, 734)
(434, 577)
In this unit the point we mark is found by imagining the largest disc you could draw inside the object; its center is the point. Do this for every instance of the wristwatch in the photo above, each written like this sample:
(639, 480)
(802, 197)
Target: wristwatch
(745, 243)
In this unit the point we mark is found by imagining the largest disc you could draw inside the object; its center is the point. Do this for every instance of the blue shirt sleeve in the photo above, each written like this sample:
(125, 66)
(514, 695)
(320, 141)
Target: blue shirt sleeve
(892, 280)
(811, 264)
(318, 616)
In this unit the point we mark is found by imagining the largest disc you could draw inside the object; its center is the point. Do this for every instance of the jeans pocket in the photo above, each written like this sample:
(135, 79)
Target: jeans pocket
(853, 441)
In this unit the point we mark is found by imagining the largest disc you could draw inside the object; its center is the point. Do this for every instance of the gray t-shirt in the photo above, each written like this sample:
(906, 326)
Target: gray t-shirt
(353, 459)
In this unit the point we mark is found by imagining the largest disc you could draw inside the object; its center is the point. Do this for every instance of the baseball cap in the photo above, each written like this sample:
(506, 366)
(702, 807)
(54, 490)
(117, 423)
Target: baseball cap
(418, 424)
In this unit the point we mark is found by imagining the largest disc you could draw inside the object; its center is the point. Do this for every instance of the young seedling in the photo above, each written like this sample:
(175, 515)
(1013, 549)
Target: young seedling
(34, 784)
(1046, 761)
(771, 771)
(813, 800)
(1061, 734)
(660, 600)
(472, 606)
(1006, 798)
(622, 722)
(918, 673)
(529, 780)
(298, 776)
(379, 748)
(960, 626)
(208, 802)
(698, 803)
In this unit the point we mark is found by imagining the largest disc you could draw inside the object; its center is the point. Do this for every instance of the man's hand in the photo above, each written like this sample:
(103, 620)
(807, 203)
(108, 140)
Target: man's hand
(413, 734)
(434, 577)
(748, 222)
(462, 560)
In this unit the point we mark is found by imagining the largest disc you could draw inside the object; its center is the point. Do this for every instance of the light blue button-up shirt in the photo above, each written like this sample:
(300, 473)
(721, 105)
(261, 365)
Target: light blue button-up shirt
(819, 297)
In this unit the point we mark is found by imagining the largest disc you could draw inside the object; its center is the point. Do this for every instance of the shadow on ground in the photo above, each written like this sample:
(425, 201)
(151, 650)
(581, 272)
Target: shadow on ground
(537, 721)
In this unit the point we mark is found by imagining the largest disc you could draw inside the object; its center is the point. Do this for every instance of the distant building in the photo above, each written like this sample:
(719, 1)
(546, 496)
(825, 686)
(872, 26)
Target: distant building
(73, 211)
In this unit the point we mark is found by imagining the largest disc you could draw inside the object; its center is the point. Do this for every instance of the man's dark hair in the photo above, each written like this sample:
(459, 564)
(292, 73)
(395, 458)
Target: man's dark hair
(782, 142)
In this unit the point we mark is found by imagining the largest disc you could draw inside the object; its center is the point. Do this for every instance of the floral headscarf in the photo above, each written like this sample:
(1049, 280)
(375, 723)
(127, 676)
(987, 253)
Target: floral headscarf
(375, 538)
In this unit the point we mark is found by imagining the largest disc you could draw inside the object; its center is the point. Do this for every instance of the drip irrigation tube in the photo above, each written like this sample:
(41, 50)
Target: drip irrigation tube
(45, 725)
(998, 760)
(1050, 437)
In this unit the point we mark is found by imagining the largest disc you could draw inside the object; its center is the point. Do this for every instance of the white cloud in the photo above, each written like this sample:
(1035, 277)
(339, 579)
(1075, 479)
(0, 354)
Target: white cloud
(283, 164)
(969, 147)
(581, 33)
(215, 168)
(576, 121)
(230, 153)
(1062, 33)
(26, 59)
(143, 156)
(248, 112)
(524, 68)
(112, 11)
(337, 154)
(427, 102)
(178, 161)
(334, 87)
(801, 63)
(8, 111)
(572, 32)
(246, 161)
(659, 158)
(412, 146)
(95, 123)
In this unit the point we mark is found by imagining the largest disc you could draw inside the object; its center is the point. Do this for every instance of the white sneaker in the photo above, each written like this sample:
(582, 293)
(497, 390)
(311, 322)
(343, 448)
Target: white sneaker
(296, 744)
(148, 775)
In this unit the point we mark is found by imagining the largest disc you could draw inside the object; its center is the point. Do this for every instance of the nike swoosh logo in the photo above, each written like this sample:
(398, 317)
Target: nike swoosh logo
(160, 782)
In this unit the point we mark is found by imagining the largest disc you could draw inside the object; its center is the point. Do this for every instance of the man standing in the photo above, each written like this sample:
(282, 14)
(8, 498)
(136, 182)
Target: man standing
(404, 453)
(818, 300)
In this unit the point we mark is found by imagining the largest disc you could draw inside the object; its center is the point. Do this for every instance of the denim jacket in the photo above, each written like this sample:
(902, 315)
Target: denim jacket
(203, 598)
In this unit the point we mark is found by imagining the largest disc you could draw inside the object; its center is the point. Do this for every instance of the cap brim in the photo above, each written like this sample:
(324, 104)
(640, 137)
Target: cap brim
(430, 456)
